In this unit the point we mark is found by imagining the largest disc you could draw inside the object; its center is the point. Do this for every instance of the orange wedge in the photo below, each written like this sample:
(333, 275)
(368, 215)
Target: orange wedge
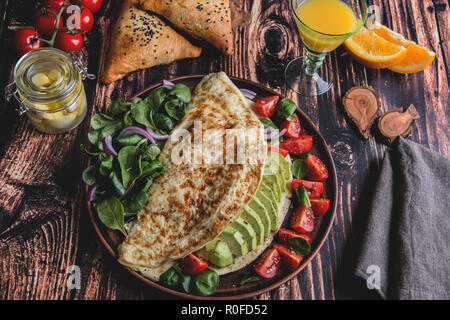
(373, 51)
(418, 57)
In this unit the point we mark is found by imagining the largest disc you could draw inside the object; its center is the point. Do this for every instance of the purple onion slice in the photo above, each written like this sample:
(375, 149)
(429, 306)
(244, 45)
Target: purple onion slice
(91, 193)
(249, 93)
(128, 131)
(274, 135)
(107, 142)
(157, 136)
(168, 84)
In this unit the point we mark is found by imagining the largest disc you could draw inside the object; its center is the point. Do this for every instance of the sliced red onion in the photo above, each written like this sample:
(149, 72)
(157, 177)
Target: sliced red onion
(274, 135)
(168, 84)
(128, 131)
(107, 143)
(91, 193)
(130, 188)
(157, 136)
(248, 93)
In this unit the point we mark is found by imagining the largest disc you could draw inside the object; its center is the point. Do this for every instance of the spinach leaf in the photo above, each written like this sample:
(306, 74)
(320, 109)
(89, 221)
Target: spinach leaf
(106, 163)
(127, 119)
(299, 169)
(185, 279)
(110, 130)
(118, 106)
(151, 152)
(116, 184)
(136, 203)
(93, 137)
(89, 175)
(285, 109)
(303, 196)
(156, 98)
(182, 92)
(268, 122)
(140, 111)
(101, 120)
(300, 246)
(110, 212)
(205, 283)
(163, 122)
(175, 109)
(129, 167)
(130, 140)
(170, 278)
(249, 277)
(150, 167)
(83, 149)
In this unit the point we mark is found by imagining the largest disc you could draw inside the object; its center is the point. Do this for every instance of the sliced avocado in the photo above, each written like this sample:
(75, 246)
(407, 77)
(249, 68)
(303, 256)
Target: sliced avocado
(272, 182)
(247, 231)
(217, 252)
(255, 221)
(256, 205)
(271, 206)
(276, 163)
(235, 241)
(281, 182)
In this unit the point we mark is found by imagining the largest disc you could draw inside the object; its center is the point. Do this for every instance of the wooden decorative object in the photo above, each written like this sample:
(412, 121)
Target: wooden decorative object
(363, 106)
(397, 122)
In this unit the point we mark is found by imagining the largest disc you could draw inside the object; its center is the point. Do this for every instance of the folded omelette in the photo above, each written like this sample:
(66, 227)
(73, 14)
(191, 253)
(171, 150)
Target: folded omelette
(194, 200)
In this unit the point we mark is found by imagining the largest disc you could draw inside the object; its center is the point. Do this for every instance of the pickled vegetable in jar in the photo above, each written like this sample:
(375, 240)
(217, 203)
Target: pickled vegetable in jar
(49, 88)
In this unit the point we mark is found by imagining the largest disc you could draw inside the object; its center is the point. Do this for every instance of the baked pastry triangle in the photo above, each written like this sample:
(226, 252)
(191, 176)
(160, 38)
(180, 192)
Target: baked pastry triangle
(142, 40)
(206, 20)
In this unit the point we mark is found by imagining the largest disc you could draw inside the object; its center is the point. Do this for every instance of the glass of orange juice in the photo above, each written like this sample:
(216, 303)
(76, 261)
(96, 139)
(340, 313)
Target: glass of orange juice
(324, 25)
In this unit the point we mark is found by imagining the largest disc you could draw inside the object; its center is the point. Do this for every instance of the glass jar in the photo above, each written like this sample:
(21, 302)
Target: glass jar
(49, 89)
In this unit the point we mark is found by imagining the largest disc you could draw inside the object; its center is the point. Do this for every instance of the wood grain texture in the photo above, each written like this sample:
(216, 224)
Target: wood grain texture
(44, 226)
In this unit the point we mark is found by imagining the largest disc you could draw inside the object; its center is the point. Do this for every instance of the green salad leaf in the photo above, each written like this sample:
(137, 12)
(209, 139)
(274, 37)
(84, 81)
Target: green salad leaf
(285, 109)
(300, 246)
(110, 212)
(299, 168)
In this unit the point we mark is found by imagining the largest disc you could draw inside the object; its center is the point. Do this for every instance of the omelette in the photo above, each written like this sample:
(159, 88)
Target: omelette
(208, 180)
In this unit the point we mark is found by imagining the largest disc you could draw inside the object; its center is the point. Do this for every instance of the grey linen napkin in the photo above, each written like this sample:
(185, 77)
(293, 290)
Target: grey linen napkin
(407, 239)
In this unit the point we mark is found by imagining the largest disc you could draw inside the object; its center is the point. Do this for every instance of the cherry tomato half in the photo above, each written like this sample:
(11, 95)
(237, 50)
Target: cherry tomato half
(268, 264)
(26, 40)
(56, 4)
(266, 106)
(191, 264)
(93, 5)
(316, 169)
(45, 21)
(293, 127)
(68, 41)
(298, 146)
(320, 206)
(314, 189)
(285, 234)
(281, 151)
(303, 219)
(289, 258)
(81, 20)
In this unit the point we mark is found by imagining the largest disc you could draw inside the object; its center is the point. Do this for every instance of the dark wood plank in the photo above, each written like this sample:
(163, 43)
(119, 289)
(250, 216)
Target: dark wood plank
(44, 227)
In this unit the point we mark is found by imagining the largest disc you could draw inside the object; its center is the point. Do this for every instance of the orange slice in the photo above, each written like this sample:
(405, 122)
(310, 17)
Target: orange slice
(373, 51)
(418, 57)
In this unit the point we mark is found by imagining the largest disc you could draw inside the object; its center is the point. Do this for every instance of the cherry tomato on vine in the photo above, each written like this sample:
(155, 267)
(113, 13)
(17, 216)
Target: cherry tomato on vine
(56, 4)
(69, 41)
(93, 5)
(83, 16)
(26, 40)
(45, 21)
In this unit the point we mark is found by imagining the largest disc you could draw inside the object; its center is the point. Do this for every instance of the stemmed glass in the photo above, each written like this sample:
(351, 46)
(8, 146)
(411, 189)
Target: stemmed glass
(305, 75)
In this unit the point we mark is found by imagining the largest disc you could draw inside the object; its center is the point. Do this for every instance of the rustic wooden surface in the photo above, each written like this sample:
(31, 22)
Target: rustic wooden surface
(44, 227)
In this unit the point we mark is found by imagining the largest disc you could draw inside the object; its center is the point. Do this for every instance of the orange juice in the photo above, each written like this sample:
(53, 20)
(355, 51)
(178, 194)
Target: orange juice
(330, 20)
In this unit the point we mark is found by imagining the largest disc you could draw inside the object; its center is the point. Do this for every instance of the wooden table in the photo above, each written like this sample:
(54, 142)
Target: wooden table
(44, 227)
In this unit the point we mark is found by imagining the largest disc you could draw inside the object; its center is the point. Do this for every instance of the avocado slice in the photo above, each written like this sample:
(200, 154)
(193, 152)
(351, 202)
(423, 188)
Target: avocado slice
(247, 231)
(235, 241)
(267, 200)
(272, 182)
(276, 163)
(255, 221)
(256, 205)
(281, 182)
(217, 252)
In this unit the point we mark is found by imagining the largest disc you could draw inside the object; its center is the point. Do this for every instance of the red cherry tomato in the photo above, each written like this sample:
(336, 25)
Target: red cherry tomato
(285, 234)
(68, 41)
(320, 206)
(314, 189)
(81, 20)
(93, 5)
(45, 21)
(272, 148)
(292, 127)
(191, 264)
(316, 169)
(303, 219)
(268, 264)
(56, 4)
(298, 146)
(266, 106)
(25, 40)
(289, 258)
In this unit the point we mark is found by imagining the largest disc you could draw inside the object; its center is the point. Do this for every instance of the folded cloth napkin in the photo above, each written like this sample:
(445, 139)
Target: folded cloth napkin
(405, 248)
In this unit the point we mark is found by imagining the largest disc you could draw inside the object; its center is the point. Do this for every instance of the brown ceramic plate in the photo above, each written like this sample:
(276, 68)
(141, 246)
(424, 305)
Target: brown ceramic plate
(229, 287)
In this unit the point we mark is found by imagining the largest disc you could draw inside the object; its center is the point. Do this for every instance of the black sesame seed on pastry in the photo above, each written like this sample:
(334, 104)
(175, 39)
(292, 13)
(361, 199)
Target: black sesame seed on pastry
(141, 40)
(206, 20)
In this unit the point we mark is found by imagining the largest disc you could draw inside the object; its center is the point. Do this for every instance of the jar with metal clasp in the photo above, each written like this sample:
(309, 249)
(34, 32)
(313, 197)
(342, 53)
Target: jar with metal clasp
(48, 87)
